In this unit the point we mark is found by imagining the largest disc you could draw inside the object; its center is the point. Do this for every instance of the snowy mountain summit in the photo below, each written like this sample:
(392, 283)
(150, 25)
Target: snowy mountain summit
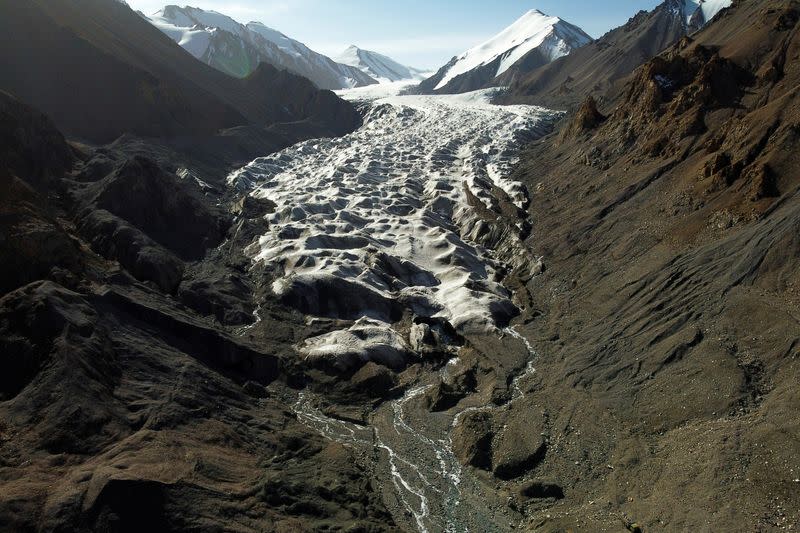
(237, 49)
(535, 39)
(377, 66)
(698, 13)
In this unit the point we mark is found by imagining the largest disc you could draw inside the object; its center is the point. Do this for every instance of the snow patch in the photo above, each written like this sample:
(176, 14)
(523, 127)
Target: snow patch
(367, 340)
(376, 92)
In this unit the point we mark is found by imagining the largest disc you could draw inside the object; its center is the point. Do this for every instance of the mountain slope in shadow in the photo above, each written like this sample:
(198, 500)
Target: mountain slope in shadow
(100, 70)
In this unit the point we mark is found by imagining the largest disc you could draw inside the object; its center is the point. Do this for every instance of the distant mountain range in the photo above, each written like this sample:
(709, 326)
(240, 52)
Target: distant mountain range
(540, 54)
(237, 49)
(599, 66)
(378, 66)
(101, 72)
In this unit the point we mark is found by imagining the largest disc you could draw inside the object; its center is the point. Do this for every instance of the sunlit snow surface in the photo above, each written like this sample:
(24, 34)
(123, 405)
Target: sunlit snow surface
(378, 220)
(378, 91)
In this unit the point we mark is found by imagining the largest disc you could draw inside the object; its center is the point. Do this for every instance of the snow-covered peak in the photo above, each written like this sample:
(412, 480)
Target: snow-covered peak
(192, 16)
(378, 66)
(533, 30)
(709, 8)
(697, 13)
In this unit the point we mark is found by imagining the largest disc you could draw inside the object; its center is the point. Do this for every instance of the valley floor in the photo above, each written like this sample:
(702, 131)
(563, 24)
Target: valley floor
(385, 235)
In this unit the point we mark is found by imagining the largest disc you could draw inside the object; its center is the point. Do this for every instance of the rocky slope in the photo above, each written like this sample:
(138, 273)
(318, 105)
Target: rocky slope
(665, 321)
(237, 49)
(535, 39)
(600, 67)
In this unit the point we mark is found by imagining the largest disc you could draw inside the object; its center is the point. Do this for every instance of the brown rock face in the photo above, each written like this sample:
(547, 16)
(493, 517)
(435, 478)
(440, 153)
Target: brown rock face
(375, 380)
(472, 440)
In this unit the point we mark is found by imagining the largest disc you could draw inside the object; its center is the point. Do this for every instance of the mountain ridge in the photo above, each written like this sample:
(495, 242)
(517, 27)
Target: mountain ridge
(665, 319)
(376, 65)
(604, 63)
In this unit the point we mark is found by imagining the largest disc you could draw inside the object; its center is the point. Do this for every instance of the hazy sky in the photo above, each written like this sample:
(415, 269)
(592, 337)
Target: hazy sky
(419, 33)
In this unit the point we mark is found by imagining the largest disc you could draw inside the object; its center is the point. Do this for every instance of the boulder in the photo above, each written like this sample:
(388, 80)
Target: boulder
(375, 380)
(472, 439)
(519, 446)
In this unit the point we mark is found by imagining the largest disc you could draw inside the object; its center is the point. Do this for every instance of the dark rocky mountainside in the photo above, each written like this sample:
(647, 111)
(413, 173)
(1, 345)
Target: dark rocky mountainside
(130, 397)
(642, 374)
(600, 66)
(666, 317)
(99, 70)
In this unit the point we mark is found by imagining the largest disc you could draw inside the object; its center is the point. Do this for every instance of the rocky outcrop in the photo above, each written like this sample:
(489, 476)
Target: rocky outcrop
(510, 443)
(148, 220)
(157, 202)
(114, 238)
(520, 445)
(375, 380)
(586, 119)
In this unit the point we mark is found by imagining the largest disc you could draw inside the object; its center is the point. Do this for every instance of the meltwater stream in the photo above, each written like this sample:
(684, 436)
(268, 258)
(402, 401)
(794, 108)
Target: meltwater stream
(378, 225)
(429, 483)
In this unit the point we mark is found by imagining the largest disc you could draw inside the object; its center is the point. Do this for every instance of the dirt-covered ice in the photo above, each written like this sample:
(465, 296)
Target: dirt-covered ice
(377, 224)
